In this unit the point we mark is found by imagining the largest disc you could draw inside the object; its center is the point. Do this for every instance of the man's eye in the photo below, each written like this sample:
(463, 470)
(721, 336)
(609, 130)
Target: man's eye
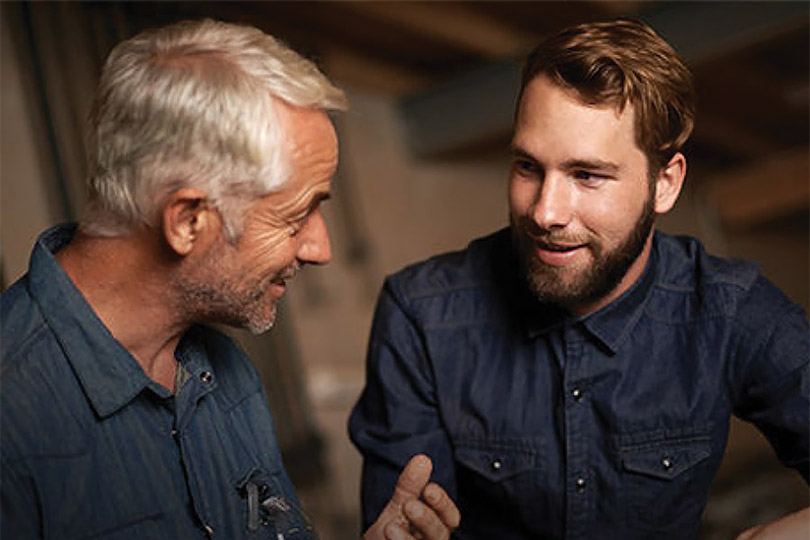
(588, 176)
(523, 166)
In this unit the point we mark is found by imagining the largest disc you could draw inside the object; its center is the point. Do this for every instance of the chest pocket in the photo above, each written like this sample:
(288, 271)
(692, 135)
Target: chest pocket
(148, 527)
(665, 482)
(500, 470)
(266, 508)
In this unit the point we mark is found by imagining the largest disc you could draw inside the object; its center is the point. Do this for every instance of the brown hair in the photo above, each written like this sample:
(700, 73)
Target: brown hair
(620, 62)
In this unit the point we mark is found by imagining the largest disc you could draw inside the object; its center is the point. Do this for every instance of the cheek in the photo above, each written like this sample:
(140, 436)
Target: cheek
(521, 196)
(271, 247)
(610, 218)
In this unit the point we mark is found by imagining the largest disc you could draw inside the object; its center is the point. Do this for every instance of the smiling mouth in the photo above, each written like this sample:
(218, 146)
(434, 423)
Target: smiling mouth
(557, 255)
(558, 248)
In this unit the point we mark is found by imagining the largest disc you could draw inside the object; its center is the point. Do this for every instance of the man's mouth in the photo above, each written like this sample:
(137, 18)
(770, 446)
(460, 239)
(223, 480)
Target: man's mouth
(279, 283)
(558, 254)
(560, 248)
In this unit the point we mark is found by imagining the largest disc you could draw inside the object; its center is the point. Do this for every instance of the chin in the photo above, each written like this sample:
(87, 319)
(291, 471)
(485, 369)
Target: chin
(259, 323)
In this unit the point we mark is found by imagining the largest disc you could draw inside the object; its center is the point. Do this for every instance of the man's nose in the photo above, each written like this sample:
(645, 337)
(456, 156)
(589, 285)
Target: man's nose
(554, 205)
(315, 247)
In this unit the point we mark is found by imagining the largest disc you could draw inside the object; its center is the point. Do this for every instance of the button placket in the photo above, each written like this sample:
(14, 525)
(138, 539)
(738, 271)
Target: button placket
(579, 494)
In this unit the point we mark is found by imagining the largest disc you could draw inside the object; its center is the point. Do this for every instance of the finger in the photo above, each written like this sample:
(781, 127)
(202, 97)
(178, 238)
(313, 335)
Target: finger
(394, 531)
(425, 521)
(413, 479)
(443, 505)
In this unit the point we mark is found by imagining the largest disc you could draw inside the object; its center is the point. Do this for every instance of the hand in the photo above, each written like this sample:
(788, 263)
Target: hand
(417, 510)
(794, 526)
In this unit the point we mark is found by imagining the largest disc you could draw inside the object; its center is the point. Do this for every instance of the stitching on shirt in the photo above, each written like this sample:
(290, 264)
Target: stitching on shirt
(234, 404)
(657, 437)
(674, 441)
(22, 351)
(523, 445)
(461, 324)
(423, 294)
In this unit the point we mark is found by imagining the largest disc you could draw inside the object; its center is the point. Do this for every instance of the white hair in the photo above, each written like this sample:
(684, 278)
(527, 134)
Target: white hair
(193, 105)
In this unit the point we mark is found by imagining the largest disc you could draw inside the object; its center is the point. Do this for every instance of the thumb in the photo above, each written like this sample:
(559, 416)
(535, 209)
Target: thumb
(413, 479)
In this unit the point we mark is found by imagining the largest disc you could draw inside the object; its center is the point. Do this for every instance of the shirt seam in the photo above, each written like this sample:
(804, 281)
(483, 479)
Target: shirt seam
(13, 358)
(422, 295)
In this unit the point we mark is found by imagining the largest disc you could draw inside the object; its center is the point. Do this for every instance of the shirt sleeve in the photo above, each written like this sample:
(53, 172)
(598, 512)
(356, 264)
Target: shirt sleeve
(19, 511)
(774, 375)
(397, 415)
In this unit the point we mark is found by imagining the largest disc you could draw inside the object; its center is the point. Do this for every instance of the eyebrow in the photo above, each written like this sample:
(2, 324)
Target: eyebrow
(521, 153)
(591, 164)
(571, 164)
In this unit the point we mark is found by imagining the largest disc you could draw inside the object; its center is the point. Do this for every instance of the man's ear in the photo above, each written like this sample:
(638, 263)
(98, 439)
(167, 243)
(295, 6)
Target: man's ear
(187, 219)
(669, 182)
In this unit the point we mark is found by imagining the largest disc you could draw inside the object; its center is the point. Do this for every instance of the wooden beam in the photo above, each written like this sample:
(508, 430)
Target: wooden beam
(775, 187)
(718, 132)
(364, 73)
(456, 112)
(452, 22)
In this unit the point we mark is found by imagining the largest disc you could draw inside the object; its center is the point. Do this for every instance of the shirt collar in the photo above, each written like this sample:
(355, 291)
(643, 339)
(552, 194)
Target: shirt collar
(108, 373)
(611, 324)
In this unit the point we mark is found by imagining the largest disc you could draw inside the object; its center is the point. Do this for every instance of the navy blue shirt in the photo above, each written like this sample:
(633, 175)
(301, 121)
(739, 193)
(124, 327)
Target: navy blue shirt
(609, 426)
(92, 448)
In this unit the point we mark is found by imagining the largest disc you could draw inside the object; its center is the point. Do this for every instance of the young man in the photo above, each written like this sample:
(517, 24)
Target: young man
(122, 415)
(573, 376)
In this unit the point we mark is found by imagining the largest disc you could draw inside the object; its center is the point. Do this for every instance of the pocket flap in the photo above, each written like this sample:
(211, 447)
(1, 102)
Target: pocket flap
(667, 459)
(496, 462)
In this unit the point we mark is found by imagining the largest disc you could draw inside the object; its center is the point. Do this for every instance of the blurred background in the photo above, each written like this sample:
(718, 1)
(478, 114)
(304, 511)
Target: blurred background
(423, 169)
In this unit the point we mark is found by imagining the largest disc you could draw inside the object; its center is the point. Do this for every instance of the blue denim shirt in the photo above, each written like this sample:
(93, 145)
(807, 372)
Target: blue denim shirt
(92, 448)
(609, 426)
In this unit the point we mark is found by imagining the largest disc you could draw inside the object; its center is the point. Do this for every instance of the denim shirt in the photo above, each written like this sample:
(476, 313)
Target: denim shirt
(92, 448)
(608, 426)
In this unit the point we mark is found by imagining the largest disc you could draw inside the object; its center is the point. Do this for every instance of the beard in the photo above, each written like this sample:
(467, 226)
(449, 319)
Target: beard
(571, 288)
(216, 291)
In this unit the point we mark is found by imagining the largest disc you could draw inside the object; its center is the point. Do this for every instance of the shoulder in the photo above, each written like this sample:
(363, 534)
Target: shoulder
(44, 411)
(706, 285)
(474, 267)
(687, 265)
(21, 323)
(453, 287)
(716, 285)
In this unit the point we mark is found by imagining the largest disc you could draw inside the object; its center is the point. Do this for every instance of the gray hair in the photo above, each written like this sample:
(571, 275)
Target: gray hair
(192, 105)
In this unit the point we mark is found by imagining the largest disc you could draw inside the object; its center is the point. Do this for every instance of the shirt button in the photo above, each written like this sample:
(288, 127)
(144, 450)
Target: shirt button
(576, 393)
(667, 463)
(174, 433)
(581, 484)
(496, 464)
(209, 530)
(206, 377)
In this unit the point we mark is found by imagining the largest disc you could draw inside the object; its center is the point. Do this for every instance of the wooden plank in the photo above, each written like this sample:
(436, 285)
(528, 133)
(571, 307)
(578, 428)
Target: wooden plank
(772, 188)
(366, 74)
(453, 23)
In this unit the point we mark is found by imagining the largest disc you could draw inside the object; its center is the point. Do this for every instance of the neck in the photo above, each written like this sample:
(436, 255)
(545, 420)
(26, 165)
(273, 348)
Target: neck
(629, 279)
(124, 281)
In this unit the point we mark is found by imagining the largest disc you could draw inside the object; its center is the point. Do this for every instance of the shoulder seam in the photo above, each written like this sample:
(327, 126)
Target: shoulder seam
(27, 343)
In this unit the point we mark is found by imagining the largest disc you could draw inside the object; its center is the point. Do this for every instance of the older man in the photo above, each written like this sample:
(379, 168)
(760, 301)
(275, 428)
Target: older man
(573, 375)
(210, 152)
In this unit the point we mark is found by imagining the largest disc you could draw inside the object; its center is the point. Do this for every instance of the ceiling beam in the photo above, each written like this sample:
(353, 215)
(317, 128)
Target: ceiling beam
(369, 75)
(774, 188)
(477, 106)
(451, 22)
